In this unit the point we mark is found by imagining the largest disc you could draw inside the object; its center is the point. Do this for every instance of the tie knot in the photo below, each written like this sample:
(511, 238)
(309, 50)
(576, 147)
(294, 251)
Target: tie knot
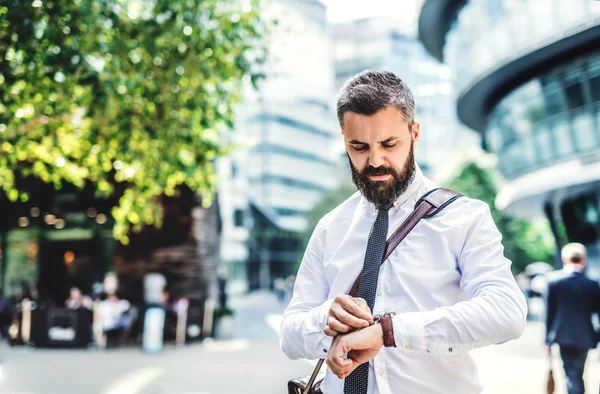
(385, 208)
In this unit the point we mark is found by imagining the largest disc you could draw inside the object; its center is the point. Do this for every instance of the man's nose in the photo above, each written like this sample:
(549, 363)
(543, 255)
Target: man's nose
(376, 158)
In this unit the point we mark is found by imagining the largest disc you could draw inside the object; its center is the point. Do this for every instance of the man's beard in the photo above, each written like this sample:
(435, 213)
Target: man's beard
(384, 193)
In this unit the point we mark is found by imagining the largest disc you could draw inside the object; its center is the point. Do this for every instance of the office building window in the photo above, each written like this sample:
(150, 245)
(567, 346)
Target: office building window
(238, 218)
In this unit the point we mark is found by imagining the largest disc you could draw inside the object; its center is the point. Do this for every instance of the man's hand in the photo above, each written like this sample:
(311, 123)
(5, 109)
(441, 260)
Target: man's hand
(347, 314)
(361, 347)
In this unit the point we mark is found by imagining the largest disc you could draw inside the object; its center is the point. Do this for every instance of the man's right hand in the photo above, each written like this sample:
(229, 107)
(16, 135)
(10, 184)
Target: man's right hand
(347, 314)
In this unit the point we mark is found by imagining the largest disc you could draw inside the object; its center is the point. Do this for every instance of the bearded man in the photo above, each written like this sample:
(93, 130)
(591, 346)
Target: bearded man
(445, 290)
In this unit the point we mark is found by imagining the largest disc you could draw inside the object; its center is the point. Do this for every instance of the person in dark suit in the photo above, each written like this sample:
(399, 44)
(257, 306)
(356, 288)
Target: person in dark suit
(572, 299)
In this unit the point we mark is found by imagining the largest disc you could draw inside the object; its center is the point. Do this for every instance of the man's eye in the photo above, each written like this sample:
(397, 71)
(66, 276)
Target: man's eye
(387, 146)
(361, 148)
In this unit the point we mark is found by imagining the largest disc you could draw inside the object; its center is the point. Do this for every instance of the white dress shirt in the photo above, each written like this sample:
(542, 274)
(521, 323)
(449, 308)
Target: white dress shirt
(448, 282)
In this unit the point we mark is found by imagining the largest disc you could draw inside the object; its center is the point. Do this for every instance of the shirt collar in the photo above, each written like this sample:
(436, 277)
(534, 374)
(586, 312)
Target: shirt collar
(415, 184)
(573, 268)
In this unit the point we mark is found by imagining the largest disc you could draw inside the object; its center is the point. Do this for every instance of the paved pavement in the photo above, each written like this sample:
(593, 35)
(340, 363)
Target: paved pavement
(521, 366)
(246, 361)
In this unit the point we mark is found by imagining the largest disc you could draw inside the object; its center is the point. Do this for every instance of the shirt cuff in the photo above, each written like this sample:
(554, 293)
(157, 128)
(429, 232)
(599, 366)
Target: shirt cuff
(409, 331)
(317, 321)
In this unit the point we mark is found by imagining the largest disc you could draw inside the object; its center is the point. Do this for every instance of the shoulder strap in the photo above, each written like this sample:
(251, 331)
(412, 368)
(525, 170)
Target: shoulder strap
(429, 205)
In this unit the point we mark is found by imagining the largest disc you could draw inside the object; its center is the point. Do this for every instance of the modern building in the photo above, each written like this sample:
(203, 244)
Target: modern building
(383, 43)
(286, 133)
(528, 78)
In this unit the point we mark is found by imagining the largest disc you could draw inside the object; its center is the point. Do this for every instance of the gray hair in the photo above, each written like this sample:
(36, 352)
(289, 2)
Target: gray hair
(573, 252)
(370, 91)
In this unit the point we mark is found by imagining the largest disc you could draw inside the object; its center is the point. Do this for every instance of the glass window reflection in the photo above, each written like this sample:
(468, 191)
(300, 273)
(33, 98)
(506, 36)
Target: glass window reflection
(581, 218)
(548, 119)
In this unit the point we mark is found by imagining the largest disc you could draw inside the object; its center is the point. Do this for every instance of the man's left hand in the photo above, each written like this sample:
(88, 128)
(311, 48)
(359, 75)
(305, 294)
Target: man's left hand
(361, 346)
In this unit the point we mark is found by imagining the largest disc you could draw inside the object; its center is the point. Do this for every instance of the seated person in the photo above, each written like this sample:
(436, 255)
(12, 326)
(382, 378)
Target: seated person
(114, 314)
(77, 300)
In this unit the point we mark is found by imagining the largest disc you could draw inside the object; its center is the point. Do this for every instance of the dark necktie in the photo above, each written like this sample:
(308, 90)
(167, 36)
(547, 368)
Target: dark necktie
(357, 382)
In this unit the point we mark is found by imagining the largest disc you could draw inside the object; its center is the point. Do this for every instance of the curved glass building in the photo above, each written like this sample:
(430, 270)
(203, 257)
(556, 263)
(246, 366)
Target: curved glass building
(528, 76)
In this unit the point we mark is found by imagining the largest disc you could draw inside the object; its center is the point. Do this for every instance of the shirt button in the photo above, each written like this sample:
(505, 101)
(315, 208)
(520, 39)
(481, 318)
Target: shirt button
(450, 350)
(379, 371)
(379, 292)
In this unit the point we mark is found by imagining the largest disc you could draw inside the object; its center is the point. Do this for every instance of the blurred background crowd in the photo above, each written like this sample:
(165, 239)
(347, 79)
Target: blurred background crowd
(175, 155)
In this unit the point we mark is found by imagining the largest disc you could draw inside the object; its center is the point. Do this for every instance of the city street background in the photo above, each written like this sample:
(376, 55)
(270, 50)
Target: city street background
(177, 155)
(250, 362)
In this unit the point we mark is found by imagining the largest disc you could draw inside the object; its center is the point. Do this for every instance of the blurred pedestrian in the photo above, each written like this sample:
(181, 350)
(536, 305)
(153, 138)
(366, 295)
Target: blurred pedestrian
(279, 286)
(572, 298)
(114, 312)
(78, 300)
(154, 289)
(446, 290)
(222, 288)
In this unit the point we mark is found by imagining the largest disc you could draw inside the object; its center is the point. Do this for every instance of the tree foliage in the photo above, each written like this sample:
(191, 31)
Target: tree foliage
(127, 95)
(524, 241)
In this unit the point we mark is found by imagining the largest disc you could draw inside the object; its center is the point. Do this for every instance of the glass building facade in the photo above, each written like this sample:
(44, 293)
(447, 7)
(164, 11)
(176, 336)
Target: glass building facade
(487, 34)
(550, 118)
(528, 77)
(286, 133)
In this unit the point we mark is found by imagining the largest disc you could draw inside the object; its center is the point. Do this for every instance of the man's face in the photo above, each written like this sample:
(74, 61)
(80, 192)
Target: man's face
(380, 148)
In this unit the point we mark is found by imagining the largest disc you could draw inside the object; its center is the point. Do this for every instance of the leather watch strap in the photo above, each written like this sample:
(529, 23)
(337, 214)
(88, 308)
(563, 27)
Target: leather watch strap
(388, 331)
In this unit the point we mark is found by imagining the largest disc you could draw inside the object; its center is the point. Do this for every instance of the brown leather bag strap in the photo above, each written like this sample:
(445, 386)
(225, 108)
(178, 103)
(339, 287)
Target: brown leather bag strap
(426, 207)
(429, 205)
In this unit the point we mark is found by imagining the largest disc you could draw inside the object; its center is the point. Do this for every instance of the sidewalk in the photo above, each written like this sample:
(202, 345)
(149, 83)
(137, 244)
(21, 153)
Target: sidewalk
(250, 363)
(516, 367)
(521, 366)
(251, 310)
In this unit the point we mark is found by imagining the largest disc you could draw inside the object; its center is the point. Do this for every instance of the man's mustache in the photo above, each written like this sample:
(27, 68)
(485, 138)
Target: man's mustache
(377, 171)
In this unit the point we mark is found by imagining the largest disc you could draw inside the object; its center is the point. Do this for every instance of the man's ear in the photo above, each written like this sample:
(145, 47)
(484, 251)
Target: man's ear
(416, 132)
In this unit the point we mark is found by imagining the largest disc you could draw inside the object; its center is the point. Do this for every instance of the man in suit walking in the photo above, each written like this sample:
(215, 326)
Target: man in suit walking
(572, 298)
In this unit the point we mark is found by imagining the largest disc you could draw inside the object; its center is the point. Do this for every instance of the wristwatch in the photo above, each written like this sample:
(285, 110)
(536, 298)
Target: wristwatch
(385, 319)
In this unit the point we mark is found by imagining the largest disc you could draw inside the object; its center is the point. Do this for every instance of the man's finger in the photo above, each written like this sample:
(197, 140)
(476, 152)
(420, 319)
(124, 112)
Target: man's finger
(351, 319)
(340, 372)
(343, 373)
(362, 304)
(351, 367)
(338, 364)
(329, 332)
(338, 326)
(354, 309)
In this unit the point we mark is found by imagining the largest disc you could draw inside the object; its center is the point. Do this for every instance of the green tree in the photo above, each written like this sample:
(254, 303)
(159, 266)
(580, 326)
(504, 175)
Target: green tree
(524, 241)
(130, 96)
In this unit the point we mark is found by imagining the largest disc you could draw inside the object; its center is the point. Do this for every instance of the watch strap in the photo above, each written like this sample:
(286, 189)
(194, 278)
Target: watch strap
(388, 331)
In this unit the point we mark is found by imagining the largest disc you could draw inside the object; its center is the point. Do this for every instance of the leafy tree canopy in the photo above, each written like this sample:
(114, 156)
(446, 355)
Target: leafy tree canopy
(127, 95)
(524, 242)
